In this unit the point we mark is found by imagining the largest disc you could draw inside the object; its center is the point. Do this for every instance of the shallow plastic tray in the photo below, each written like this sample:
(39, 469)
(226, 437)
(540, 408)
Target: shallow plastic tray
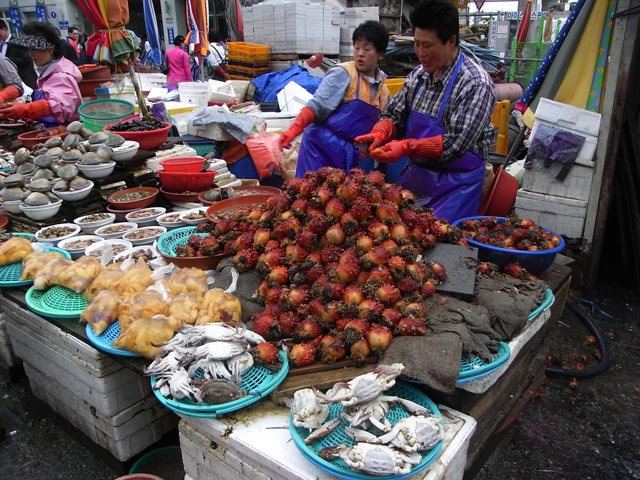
(476, 368)
(337, 466)
(57, 302)
(105, 340)
(258, 381)
(10, 274)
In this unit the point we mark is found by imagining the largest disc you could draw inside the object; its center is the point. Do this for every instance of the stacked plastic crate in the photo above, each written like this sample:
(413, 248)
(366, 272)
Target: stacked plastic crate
(247, 60)
(349, 22)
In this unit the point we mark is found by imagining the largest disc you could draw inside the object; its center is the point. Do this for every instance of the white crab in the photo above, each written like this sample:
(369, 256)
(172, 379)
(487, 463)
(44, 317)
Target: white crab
(371, 413)
(177, 385)
(409, 434)
(213, 351)
(165, 363)
(363, 388)
(210, 369)
(373, 459)
(307, 409)
(238, 365)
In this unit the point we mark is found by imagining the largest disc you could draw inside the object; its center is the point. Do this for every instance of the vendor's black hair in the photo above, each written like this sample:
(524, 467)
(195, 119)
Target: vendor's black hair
(440, 16)
(374, 32)
(179, 40)
(214, 36)
(50, 33)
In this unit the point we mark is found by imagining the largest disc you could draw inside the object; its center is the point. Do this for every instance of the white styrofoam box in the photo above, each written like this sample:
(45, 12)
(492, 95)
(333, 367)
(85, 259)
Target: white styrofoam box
(276, 121)
(568, 116)
(124, 434)
(577, 183)
(7, 355)
(292, 98)
(256, 450)
(109, 394)
(562, 215)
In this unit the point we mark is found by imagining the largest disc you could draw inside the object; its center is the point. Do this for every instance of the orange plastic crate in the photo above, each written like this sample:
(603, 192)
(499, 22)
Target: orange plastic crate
(248, 52)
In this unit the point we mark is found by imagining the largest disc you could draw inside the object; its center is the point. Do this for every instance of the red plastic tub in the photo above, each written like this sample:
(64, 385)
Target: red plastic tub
(186, 182)
(183, 165)
(29, 139)
(148, 140)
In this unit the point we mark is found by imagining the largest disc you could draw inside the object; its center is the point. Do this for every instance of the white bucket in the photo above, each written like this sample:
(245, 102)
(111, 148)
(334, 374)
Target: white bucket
(196, 93)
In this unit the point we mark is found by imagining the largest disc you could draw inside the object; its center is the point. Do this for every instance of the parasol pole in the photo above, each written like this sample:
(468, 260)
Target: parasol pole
(143, 106)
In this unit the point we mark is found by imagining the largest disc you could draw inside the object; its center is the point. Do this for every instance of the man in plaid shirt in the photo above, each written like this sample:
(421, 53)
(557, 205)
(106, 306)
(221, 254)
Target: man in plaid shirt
(443, 112)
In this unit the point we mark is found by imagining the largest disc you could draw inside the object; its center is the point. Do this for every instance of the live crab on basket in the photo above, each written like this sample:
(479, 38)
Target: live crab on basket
(369, 426)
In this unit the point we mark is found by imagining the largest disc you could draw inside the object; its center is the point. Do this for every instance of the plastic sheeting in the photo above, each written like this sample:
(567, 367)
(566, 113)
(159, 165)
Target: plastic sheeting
(269, 84)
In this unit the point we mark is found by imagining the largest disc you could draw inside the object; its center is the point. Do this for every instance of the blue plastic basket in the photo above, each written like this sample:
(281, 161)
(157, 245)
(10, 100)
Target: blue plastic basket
(535, 262)
(10, 274)
(337, 466)
(57, 302)
(258, 381)
(105, 340)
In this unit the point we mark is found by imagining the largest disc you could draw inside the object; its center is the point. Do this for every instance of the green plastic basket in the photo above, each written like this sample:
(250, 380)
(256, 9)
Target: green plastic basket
(97, 114)
(57, 302)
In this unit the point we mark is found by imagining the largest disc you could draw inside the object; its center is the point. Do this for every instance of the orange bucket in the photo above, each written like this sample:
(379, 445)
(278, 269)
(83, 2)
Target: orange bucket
(502, 195)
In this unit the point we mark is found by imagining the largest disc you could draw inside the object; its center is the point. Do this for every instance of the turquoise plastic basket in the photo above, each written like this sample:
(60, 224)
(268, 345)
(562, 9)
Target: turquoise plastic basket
(10, 274)
(338, 437)
(258, 381)
(168, 241)
(548, 301)
(476, 368)
(57, 302)
(105, 340)
(98, 114)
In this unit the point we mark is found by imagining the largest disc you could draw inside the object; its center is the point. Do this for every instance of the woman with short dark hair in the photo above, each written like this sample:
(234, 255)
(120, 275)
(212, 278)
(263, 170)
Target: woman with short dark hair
(58, 97)
(178, 62)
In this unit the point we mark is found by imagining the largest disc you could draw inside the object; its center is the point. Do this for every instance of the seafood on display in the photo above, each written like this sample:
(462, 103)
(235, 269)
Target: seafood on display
(205, 363)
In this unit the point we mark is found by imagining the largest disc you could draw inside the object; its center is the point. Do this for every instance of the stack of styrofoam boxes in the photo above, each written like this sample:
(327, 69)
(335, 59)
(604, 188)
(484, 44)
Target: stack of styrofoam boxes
(110, 403)
(247, 24)
(268, 24)
(258, 449)
(350, 20)
(561, 205)
(313, 23)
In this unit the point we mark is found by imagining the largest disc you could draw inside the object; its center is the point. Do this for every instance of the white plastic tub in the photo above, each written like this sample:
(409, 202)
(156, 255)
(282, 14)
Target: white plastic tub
(196, 93)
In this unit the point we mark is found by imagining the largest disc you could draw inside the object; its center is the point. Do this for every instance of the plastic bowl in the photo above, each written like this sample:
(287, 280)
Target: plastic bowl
(124, 255)
(170, 225)
(168, 242)
(535, 262)
(91, 227)
(149, 139)
(38, 235)
(76, 194)
(78, 251)
(244, 191)
(145, 215)
(121, 215)
(104, 231)
(147, 240)
(187, 182)
(180, 197)
(183, 165)
(133, 204)
(29, 139)
(232, 204)
(91, 249)
(12, 206)
(41, 212)
(126, 151)
(195, 221)
(502, 195)
(100, 170)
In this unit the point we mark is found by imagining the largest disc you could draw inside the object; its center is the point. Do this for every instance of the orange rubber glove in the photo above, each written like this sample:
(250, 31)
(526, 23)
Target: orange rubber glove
(35, 109)
(430, 147)
(9, 93)
(381, 133)
(304, 118)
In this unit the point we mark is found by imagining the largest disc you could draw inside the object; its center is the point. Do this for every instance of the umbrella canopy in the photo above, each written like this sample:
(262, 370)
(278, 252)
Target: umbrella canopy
(523, 28)
(151, 24)
(112, 42)
(197, 22)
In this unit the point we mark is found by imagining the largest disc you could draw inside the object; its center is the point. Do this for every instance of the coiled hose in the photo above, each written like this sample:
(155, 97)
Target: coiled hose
(604, 363)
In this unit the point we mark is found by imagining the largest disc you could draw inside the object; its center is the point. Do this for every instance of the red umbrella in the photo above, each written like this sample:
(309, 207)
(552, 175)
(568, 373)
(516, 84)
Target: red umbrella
(523, 28)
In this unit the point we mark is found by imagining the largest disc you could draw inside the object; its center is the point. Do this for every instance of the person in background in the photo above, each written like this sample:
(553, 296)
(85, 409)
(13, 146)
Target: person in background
(178, 63)
(217, 57)
(68, 51)
(58, 97)
(145, 46)
(73, 39)
(441, 118)
(19, 56)
(346, 104)
(9, 80)
(82, 45)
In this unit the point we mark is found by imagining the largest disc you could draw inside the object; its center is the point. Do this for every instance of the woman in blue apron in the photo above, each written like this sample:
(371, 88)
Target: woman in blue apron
(58, 97)
(450, 185)
(346, 104)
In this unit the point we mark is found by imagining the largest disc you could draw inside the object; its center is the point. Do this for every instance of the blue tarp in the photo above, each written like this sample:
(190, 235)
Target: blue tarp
(269, 84)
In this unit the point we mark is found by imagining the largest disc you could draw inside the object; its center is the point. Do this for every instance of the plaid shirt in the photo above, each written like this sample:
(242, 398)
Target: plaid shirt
(467, 115)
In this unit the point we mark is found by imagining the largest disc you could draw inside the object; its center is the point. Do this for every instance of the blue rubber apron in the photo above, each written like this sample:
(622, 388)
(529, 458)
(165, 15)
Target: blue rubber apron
(331, 144)
(48, 121)
(451, 189)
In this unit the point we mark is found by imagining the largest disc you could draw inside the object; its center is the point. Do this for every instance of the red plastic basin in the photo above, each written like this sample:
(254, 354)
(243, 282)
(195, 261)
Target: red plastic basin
(182, 165)
(186, 182)
(149, 139)
(502, 196)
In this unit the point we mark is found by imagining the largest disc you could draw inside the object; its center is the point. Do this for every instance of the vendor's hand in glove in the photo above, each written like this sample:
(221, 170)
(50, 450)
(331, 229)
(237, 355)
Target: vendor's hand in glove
(381, 133)
(17, 111)
(430, 147)
(304, 118)
(9, 93)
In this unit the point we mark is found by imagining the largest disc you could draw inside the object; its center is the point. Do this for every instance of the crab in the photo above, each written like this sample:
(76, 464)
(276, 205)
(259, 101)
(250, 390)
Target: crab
(307, 409)
(213, 351)
(373, 459)
(239, 364)
(210, 369)
(373, 412)
(218, 390)
(177, 385)
(409, 434)
(164, 364)
(363, 388)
